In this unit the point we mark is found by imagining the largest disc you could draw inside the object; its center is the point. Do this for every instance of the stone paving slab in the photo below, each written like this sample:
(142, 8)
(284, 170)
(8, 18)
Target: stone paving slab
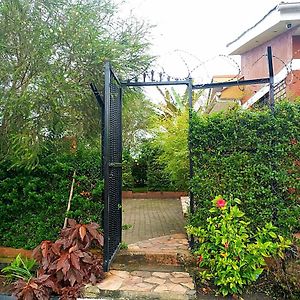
(144, 285)
(173, 243)
(169, 252)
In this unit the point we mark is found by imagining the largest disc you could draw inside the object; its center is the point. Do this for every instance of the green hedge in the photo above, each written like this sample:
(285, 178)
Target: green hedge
(149, 169)
(33, 203)
(251, 155)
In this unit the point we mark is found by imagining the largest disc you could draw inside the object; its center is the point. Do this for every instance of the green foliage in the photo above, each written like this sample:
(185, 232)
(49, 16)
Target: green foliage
(20, 268)
(50, 51)
(126, 226)
(172, 139)
(127, 177)
(231, 254)
(156, 177)
(253, 155)
(33, 203)
(171, 135)
(123, 245)
(137, 117)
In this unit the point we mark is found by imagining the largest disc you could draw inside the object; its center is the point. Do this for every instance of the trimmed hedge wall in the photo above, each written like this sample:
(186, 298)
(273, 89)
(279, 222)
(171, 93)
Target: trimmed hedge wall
(253, 156)
(33, 203)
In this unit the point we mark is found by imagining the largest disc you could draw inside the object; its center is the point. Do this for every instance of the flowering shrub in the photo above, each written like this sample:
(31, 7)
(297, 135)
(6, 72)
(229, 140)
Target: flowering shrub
(229, 253)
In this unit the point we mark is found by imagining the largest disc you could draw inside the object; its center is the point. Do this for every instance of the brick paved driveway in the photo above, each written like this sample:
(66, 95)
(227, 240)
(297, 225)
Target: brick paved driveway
(151, 218)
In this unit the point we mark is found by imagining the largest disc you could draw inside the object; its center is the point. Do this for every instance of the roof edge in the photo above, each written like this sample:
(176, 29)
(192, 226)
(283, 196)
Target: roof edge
(257, 23)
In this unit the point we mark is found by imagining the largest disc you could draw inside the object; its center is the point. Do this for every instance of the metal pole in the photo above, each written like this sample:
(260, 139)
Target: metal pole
(191, 194)
(271, 75)
(102, 108)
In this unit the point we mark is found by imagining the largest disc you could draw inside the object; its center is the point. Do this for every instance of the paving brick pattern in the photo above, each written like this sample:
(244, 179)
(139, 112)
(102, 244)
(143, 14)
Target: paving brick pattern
(151, 218)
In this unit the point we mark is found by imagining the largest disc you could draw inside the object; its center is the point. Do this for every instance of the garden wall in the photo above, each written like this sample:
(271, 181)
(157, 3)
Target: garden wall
(253, 156)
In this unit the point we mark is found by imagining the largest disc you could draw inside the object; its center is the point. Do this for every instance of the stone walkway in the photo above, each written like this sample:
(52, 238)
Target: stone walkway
(150, 218)
(174, 243)
(143, 284)
(153, 265)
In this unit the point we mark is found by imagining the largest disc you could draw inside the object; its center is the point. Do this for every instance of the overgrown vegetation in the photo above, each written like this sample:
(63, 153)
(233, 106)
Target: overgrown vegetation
(254, 156)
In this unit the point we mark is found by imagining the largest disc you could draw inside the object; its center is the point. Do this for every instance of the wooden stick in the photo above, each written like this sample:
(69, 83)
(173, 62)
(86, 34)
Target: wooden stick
(70, 199)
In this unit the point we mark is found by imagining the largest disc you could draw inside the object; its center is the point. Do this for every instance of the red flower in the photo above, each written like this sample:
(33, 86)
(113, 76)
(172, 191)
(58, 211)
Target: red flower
(226, 245)
(200, 258)
(294, 142)
(297, 162)
(291, 190)
(221, 203)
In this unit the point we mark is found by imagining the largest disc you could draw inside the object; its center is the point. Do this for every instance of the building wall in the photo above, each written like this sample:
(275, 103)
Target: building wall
(293, 85)
(255, 65)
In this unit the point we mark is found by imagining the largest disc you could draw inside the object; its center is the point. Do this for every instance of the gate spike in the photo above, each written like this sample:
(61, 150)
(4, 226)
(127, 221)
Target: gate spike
(152, 75)
(160, 76)
(168, 78)
(144, 76)
(135, 79)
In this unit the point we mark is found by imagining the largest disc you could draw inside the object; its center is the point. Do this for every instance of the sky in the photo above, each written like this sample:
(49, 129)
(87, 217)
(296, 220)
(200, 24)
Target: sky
(191, 35)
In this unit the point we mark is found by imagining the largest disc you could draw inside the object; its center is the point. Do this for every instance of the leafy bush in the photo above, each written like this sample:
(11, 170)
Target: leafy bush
(20, 268)
(127, 177)
(174, 154)
(231, 254)
(65, 264)
(33, 202)
(156, 177)
(253, 155)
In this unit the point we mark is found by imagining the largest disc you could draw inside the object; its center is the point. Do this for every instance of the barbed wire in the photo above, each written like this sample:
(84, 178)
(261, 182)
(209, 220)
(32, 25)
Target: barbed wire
(290, 76)
(190, 70)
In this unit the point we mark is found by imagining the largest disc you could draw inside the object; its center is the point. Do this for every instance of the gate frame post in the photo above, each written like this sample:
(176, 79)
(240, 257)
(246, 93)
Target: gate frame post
(191, 163)
(106, 164)
(271, 76)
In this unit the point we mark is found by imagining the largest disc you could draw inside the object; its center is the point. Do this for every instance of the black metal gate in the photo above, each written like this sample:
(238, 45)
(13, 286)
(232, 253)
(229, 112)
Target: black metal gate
(112, 165)
(111, 109)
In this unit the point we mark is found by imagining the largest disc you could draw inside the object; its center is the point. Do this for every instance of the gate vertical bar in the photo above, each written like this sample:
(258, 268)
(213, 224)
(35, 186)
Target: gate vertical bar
(106, 155)
(191, 194)
(121, 149)
(271, 75)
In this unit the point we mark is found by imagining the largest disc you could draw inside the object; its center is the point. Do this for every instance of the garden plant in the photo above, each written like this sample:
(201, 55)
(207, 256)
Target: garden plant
(230, 255)
(64, 265)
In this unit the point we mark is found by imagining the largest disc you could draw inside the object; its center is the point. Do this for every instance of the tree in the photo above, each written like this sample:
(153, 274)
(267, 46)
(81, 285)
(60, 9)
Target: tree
(171, 135)
(50, 51)
(174, 103)
(172, 139)
(138, 116)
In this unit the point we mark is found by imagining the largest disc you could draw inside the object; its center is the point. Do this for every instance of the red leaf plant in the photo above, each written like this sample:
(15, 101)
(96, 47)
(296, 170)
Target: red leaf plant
(34, 289)
(67, 264)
